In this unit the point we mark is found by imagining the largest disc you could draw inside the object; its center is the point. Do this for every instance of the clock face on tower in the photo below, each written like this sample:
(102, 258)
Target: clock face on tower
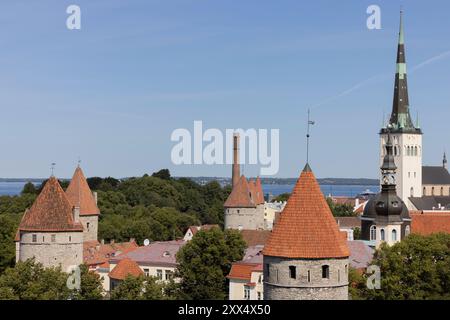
(388, 179)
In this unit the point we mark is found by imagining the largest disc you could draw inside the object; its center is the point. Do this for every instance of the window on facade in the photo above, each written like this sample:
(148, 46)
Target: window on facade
(159, 274)
(325, 272)
(415, 151)
(70, 239)
(408, 151)
(424, 191)
(87, 226)
(168, 274)
(146, 271)
(394, 235)
(34, 238)
(373, 233)
(238, 211)
(260, 279)
(292, 272)
(268, 269)
(43, 239)
(409, 174)
(346, 269)
(411, 192)
(53, 237)
(382, 234)
(309, 275)
(259, 296)
(339, 275)
(432, 191)
(442, 191)
(246, 293)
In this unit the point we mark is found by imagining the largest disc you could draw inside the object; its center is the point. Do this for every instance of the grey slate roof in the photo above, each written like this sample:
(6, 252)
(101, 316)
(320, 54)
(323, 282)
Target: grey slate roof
(435, 175)
(430, 202)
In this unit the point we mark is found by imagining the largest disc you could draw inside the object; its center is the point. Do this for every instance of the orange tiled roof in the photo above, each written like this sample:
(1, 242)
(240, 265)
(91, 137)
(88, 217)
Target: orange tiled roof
(205, 227)
(255, 237)
(243, 271)
(80, 194)
(96, 254)
(124, 268)
(429, 222)
(240, 195)
(51, 211)
(306, 228)
(259, 192)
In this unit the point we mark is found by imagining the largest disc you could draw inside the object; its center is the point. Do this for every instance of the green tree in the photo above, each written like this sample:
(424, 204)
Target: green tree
(90, 287)
(139, 288)
(281, 197)
(162, 174)
(205, 261)
(29, 188)
(340, 210)
(356, 233)
(31, 281)
(418, 267)
(8, 228)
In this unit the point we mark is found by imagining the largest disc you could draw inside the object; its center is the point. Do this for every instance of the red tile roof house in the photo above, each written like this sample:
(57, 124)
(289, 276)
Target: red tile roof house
(126, 267)
(158, 259)
(246, 276)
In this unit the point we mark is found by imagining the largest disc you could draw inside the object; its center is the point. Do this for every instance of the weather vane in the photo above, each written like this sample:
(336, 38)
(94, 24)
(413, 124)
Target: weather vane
(310, 123)
(53, 168)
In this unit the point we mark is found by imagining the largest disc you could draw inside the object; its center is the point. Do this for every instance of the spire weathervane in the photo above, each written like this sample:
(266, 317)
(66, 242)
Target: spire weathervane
(52, 167)
(310, 123)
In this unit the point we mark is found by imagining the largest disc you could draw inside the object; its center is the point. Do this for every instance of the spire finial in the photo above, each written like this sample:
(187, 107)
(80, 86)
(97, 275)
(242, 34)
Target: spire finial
(52, 168)
(79, 161)
(310, 123)
(401, 37)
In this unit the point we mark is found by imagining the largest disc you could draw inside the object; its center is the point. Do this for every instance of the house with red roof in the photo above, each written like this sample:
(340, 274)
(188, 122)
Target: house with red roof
(192, 230)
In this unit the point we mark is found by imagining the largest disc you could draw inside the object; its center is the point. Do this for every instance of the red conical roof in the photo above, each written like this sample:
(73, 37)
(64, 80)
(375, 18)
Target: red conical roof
(80, 195)
(240, 196)
(306, 228)
(259, 192)
(51, 211)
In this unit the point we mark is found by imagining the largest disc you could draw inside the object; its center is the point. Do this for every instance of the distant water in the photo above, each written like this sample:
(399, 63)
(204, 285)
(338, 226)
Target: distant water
(14, 188)
(327, 189)
(11, 188)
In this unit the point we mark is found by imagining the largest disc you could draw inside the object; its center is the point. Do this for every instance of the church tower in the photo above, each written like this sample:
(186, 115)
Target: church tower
(306, 256)
(386, 218)
(406, 138)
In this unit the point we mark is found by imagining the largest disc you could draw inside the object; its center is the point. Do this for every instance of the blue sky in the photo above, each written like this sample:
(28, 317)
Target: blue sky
(113, 92)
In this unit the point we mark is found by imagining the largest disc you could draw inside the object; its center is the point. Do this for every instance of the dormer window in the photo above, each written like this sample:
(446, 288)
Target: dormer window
(34, 238)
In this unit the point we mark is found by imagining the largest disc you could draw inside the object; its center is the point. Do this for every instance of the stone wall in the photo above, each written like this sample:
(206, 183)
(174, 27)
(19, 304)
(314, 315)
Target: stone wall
(52, 248)
(308, 283)
(89, 231)
(245, 218)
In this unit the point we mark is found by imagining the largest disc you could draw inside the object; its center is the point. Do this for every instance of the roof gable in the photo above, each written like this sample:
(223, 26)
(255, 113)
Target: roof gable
(240, 196)
(306, 227)
(79, 194)
(51, 211)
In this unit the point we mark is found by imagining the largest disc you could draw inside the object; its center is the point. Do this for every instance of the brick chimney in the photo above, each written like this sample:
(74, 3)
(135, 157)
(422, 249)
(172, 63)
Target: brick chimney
(76, 214)
(236, 174)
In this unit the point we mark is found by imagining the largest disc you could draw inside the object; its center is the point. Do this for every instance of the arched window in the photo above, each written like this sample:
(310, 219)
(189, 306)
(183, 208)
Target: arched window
(394, 235)
(442, 191)
(326, 272)
(373, 233)
(407, 230)
(346, 269)
(382, 234)
(415, 151)
(412, 192)
(424, 191)
(432, 191)
(408, 152)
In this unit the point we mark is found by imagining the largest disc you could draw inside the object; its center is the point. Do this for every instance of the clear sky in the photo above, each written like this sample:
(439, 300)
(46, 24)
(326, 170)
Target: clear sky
(113, 92)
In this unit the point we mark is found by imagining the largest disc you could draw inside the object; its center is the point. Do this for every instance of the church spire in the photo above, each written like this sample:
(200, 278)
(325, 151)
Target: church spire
(400, 117)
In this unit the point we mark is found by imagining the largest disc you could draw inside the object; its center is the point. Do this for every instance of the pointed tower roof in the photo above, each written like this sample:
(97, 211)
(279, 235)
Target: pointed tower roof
(240, 196)
(126, 267)
(400, 119)
(306, 228)
(51, 211)
(80, 195)
(259, 191)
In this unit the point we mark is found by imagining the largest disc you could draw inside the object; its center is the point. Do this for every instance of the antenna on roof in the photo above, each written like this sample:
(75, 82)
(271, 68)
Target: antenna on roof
(52, 167)
(310, 123)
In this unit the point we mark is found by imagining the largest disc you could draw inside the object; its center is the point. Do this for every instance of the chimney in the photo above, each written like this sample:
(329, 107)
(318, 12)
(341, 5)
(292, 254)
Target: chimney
(236, 174)
(95, 196)
(76, 214)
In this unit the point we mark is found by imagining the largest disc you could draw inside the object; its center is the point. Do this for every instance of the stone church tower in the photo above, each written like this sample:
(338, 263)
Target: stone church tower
(406, 138)
(386, 218)
(80, 195)
(306, 256)
(50, 231)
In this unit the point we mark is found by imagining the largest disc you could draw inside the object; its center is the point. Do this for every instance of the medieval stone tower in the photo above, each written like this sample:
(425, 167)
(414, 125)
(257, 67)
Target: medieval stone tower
(386, 218)
(50, 231)
(80, 195)
(244, 207)
(306, 256)
(406, 138)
